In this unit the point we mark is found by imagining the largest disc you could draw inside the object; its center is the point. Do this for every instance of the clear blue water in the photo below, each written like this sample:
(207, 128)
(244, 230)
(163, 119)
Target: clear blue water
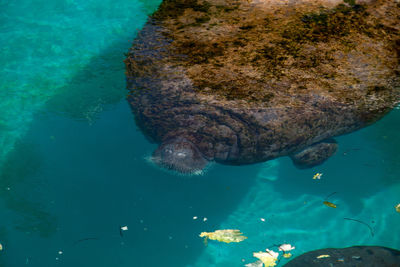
(73, 165)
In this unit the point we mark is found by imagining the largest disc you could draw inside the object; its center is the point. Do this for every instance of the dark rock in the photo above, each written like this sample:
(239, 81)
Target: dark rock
(247, 81)
(359, 256)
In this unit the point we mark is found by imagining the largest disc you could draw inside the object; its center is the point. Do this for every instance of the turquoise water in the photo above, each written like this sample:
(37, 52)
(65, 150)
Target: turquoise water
(73, 165)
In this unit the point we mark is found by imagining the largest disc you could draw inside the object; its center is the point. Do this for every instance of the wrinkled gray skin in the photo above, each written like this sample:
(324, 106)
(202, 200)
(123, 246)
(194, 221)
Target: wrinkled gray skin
(192, 131)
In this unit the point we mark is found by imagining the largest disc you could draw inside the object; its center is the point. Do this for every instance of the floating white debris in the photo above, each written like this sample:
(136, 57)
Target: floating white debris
(272, 253)
(269, 257)
(124, 228)
(205, 219)
(262, 219)
(255, 264)
(194, 217)
(60, 252)
(286, 247)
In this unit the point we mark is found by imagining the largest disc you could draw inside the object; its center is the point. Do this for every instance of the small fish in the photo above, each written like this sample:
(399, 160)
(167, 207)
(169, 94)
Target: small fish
(330, 204)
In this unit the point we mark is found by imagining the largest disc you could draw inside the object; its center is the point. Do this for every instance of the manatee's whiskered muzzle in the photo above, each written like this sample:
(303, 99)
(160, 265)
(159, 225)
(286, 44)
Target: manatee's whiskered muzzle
(180, 155)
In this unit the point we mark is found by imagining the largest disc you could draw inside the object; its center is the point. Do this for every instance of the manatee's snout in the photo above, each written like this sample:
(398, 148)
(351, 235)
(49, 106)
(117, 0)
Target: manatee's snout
(181, 155)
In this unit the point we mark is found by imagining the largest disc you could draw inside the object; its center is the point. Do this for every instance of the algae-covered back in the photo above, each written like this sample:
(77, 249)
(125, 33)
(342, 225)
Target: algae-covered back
(285, 52)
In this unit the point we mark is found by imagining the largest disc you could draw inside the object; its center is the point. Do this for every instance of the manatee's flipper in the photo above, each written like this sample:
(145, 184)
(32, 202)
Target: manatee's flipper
(181, 155)
(314, 155)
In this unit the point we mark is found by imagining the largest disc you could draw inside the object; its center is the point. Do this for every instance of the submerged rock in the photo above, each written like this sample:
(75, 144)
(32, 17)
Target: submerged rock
(365, 256)
(246, 81)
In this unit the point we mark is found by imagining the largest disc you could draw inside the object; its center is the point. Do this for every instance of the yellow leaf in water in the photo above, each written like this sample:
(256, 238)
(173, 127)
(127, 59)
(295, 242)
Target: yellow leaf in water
(287, 255)
(269, 258)
(330, 204)
(323, 256)
(398, 207)
(317, 176)
(227, 236)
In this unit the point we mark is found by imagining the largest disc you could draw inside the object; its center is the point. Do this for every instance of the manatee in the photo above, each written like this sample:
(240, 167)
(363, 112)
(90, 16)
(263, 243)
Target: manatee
(246, 81)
